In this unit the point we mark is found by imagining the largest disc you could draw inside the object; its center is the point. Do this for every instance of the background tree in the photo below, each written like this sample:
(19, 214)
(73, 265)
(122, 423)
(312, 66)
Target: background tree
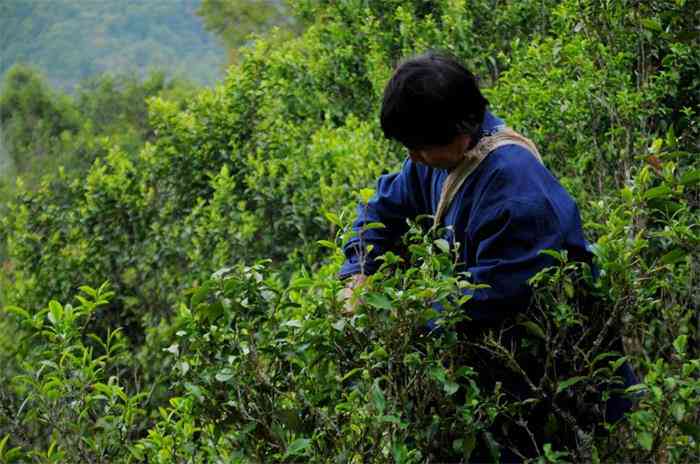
(33, 117)
(43, 129)
(235, 20)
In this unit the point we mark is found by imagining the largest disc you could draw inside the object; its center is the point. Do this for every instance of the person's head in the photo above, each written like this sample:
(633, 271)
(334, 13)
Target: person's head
(433, 106)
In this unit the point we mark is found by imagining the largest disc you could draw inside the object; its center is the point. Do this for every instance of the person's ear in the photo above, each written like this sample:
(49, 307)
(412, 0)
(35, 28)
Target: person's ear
(464, 142)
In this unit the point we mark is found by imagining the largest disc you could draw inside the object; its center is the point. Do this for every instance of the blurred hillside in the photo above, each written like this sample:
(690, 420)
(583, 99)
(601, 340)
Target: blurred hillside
(70, 40)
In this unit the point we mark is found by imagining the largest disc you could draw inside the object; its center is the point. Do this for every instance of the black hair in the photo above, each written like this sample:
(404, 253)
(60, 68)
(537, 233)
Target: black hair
(430, 99)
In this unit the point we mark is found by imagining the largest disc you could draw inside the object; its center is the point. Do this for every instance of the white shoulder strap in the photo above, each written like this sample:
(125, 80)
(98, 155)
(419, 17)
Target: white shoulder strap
(472, 159)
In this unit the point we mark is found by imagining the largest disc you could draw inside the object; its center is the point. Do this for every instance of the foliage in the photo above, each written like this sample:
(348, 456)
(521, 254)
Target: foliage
(44, 129)
(32, 117)
(257, 363)
(235, 21)
(70, 380)
(375, 386)
(75, 40)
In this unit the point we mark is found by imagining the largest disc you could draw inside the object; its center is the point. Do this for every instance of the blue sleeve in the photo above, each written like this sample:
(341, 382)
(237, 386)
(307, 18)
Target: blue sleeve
(398, 197)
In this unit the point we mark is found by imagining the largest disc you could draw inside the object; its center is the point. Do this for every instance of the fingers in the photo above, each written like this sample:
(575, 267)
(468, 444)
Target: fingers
(351, 301)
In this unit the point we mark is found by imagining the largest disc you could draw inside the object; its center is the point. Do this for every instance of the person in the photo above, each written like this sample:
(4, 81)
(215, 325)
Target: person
(503, 214)
(483, 182)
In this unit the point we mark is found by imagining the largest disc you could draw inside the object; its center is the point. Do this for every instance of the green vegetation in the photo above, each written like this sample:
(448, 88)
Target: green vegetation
(72, 40)
(220, 336)
(44, 130)
(235, 21)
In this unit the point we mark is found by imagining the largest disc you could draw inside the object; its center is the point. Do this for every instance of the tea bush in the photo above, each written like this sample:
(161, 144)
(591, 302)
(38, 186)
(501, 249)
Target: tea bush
(225, 340)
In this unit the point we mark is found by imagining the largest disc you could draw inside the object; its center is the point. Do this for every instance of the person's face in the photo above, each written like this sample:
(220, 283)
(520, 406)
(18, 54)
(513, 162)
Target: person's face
(441, 156)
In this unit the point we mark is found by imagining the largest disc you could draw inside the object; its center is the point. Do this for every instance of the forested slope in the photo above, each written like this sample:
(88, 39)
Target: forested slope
(71, 40)
(220, 335)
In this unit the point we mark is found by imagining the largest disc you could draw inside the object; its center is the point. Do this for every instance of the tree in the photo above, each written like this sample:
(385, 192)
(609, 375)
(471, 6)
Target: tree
(31, 115)
(235, 20)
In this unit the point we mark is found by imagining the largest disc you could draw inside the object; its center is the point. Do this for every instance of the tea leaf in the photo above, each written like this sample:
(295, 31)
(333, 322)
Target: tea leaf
(569, 382)
(378, 300)
(297, 447)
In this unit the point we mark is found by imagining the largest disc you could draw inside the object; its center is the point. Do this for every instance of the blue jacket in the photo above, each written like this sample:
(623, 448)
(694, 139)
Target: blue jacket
(507, 210)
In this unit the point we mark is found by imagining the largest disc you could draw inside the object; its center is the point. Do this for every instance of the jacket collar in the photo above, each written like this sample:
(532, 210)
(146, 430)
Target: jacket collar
(491, 124)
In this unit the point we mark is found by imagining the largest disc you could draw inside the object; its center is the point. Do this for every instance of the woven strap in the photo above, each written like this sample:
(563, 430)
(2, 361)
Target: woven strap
(472, 159)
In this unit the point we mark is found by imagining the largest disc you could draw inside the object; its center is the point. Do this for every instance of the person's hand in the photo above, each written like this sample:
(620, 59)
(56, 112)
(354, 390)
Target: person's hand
(348, 293)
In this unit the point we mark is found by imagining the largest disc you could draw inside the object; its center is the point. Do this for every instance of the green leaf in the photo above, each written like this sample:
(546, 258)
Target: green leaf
(602, 356)
(443, 245)
(55, 311)
(16, 310)
(366, 195)
(88, 291)
(195, 391)
(450, 387)
(200, 295)
(103, 388)
(327, 244)
(559, 256)
(457, 445)
(391, 419)
(213, 311)
(626, 194)
(553, 455)
(379, 353)
(297, 446)
(464, 299)
(14, 455)
(300, 283)
(333, 218)
(674, 256)
(339, 325)
(494, 447)
(646, 440)
(534, 329)
(219, 274)
(224, 375)
(399, 452)
(691, 177)
(464, 372)
(174, 349)
(615, 365)
(373, 225)
(569, 382)
(652, 24)
(344, 407)
(680, 343)
(378, 399)
(678, 410)
(351, 373)
(569, 289)
(378, 300)
(438, 373)
(662, 191)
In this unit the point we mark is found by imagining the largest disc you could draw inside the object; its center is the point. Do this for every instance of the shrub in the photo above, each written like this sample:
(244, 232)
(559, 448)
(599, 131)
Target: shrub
(259, 364)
